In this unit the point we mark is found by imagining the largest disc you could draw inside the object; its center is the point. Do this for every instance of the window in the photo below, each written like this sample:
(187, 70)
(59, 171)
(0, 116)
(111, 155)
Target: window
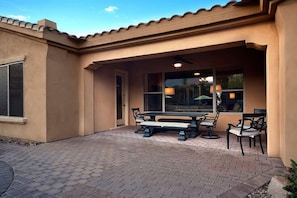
(190, 91)
(230, 98)
(193, 91)
(11, 89)
(153, 92)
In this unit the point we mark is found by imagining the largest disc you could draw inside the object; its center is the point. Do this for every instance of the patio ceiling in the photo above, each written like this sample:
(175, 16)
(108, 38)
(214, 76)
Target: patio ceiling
(190, 54)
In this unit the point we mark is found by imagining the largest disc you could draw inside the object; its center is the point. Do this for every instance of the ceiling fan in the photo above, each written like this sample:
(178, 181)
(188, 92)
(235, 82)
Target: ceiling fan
(178, 60)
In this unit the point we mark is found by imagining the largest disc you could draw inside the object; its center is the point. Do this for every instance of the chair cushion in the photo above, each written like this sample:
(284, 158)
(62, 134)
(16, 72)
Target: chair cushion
(138, 120)
(247, 133)
(206, 123)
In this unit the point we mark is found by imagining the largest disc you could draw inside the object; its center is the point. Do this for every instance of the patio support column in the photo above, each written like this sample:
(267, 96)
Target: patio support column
(287, 26)
(86, 115)
(273, 110)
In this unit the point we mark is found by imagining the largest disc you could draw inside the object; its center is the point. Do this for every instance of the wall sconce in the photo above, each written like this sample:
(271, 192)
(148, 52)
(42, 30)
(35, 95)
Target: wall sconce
(218, 88)
(231, 95)
(169, 91)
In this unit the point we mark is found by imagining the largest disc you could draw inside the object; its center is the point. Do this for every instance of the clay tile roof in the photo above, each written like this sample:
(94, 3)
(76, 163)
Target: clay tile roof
(41, 28)
(21, 24)
(32, 26)
(231, 3)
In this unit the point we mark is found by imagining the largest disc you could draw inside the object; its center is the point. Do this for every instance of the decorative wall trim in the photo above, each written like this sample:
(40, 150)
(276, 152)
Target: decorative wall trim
(12, 60)
(16, 120)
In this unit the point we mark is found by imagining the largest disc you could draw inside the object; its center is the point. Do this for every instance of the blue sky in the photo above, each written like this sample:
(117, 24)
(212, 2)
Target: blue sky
(83, 17)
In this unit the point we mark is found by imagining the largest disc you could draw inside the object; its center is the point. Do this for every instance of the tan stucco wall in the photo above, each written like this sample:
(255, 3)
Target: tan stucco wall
(262, 34)
(287, 28)
(105, 97)
(35, 51)
(62, 94)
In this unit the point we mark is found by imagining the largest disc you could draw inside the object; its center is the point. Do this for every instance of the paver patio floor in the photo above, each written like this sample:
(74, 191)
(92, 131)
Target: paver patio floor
(120, 163)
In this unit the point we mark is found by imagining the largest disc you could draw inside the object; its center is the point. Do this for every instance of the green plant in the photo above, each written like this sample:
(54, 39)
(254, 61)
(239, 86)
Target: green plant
(291, 187)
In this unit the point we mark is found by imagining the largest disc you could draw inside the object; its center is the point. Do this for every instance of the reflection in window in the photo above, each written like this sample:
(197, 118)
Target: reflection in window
(153, 102)
(188, 91)
(194, 91)
(153, 92)
(230, 99)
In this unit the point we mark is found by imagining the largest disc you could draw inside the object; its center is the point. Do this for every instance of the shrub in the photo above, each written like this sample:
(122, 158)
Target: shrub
(291, 187)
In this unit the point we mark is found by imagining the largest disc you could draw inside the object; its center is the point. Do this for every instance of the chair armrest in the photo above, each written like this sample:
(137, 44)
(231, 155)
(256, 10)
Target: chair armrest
(232, 125)
(140, 116)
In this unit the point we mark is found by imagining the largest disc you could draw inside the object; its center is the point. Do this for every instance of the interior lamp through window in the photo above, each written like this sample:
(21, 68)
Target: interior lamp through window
(169, 91)
(231, 95)
(218, 88)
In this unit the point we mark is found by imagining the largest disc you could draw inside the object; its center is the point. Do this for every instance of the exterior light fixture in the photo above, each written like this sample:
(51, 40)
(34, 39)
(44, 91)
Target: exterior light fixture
(196, 74)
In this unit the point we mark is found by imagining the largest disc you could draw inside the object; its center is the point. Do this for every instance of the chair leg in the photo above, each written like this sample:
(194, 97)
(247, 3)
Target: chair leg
(241, 145)
(227, 138)
(260, 140)
(140, 130)
(209, 134)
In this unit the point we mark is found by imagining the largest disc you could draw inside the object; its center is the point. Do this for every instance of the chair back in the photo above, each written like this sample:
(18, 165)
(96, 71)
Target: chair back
(254, 120)
(216, 119)
(136, 112)
(207, 120)
(260, 111)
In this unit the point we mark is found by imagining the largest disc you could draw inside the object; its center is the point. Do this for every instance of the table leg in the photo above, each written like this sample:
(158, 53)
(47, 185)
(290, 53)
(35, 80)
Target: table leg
(194, 128)
(147, 132)
(182, 136)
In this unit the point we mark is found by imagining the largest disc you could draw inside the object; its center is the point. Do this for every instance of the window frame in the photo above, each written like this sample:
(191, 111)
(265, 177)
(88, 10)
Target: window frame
(8, 118)
(214, 94)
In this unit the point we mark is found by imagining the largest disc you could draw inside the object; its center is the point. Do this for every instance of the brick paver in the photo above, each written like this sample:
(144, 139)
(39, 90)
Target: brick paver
(120, 163)
(6, 176)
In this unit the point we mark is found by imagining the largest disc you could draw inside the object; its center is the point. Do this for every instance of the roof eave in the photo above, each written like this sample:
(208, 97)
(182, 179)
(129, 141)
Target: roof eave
(203, 21)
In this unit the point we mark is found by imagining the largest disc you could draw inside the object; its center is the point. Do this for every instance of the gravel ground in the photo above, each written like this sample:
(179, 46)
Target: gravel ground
(260, 192)
(18, 141)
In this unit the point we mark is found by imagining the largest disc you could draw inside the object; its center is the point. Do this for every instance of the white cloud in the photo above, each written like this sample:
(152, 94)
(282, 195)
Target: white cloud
(19, 17)
(110, 9)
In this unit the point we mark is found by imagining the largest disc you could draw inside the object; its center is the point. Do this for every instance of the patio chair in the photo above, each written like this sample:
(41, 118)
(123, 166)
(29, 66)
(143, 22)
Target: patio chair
(263, 111)
(210, 123)
(138, 119)
(250, 126)
(264, 128)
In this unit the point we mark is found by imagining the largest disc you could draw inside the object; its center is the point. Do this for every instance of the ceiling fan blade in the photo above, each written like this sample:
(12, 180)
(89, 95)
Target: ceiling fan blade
(181, 59)
(186, 61)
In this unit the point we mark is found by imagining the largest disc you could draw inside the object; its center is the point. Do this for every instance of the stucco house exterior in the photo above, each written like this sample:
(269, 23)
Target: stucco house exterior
(54, 85)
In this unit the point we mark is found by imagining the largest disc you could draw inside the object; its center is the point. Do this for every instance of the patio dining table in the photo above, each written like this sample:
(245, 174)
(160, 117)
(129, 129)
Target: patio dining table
(194, 122)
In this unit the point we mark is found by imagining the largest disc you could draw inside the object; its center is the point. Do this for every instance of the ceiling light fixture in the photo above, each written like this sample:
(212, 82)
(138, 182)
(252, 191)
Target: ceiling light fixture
(178, 61)
(177, 64)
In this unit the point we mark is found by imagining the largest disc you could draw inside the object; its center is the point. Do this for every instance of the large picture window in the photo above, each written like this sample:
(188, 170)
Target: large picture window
(194, 91)
(11, 89)
(190, 91)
